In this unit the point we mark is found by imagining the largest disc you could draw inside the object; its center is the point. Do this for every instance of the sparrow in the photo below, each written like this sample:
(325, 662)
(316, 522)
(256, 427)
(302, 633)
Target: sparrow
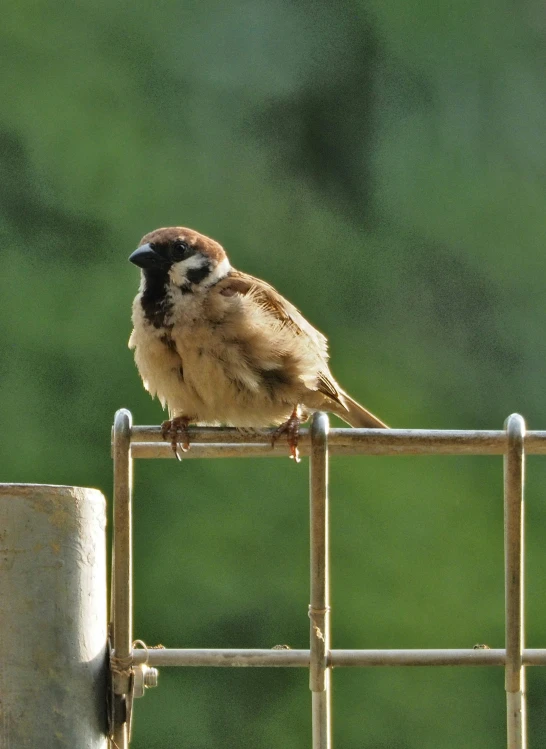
(218, 346)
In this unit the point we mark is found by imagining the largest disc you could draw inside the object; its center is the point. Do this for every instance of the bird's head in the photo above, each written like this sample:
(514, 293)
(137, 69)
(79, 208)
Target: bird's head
(181, 257)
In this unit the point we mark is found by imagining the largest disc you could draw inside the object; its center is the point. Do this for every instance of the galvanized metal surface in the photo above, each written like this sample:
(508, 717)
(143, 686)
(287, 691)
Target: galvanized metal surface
(319, 607)
(122, 581)
(514, 476)
(241, 658)
(53, 663)
(216, 442)
(222, 658)
(317, 442)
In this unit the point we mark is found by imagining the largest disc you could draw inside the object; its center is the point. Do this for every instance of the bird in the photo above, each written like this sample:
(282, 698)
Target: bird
(217, 346)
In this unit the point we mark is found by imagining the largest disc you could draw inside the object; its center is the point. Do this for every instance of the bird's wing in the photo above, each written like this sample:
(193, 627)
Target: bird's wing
(285, 313)
(273, 303)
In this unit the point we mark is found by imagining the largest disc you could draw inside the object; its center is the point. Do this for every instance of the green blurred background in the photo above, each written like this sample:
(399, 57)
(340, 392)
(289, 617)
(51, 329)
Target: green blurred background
(383, 165)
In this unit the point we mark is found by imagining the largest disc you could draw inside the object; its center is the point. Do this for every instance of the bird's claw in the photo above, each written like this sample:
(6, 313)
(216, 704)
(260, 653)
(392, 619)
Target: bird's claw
(176, 430)
(291, 428)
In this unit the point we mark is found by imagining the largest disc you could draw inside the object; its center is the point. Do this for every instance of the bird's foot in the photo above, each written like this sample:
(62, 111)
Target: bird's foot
(176, 430)
(292, 430)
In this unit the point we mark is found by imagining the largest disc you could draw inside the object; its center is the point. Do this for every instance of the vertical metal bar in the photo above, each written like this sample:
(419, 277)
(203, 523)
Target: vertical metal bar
(122, 577)
(514, 568)
(319, 609)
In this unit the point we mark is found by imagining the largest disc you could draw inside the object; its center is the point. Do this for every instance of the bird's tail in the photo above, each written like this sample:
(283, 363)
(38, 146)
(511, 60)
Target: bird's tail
(358, 416)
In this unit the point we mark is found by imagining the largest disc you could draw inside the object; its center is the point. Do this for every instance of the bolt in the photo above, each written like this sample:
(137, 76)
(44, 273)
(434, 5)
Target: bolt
(143, 677)
(151, 676)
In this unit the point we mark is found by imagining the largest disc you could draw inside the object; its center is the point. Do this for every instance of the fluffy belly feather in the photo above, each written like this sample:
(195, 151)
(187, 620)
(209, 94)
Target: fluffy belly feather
(221, 386)
(210, 382)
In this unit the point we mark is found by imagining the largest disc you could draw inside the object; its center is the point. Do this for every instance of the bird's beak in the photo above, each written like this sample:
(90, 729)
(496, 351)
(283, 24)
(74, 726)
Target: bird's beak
(146, 257)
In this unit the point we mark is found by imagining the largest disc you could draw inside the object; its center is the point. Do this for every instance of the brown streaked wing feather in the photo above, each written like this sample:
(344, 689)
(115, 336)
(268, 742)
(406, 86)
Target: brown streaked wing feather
(242, 283)
(327, 387)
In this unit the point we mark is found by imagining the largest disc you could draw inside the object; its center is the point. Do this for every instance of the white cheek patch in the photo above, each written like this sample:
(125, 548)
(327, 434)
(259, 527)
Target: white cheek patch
(221, 271)
(178, 272)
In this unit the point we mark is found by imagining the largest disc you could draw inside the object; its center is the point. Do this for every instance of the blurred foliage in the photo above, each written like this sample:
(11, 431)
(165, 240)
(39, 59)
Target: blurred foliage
(382, 164)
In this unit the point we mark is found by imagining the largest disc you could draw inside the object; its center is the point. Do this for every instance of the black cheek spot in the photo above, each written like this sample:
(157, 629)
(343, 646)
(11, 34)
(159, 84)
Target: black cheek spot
(196, 275)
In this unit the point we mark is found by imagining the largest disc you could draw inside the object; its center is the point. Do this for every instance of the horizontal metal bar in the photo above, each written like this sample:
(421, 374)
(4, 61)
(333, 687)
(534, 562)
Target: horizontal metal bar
(147, 442)
(473, 657)
(220, 657)
(336, 658)
(157, 450)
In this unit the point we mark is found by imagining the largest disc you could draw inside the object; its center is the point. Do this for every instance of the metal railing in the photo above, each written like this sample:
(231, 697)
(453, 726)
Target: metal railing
(317, 442)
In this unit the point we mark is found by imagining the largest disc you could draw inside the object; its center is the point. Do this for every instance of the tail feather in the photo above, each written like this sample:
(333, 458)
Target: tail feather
(358, 416)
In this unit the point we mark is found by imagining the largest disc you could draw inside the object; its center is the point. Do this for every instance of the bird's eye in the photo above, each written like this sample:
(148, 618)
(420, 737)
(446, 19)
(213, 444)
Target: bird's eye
(180, 250)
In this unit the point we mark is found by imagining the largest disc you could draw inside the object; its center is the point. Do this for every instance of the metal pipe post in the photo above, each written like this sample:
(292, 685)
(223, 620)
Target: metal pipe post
(53, 631)
(514, 476)
(319, 609)
(122, 579)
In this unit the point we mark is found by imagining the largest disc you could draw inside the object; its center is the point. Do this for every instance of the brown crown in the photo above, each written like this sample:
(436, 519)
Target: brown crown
(203, 244)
